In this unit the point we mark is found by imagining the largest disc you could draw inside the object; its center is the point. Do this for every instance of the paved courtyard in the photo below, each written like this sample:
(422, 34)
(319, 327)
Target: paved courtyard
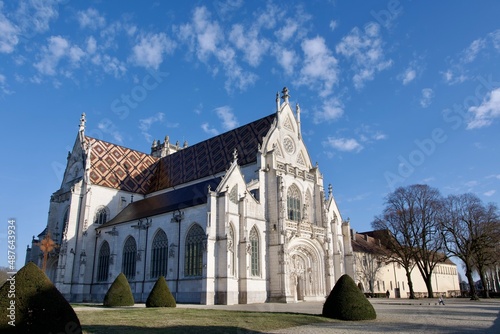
(396, 316)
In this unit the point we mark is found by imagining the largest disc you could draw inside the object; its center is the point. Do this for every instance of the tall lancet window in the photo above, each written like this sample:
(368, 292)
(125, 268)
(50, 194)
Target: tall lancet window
(195, 244)
(159, 255)
(101, 216)
(293, 202)
(103, 262)
(231, 251)
(254, 252)
(129, 258)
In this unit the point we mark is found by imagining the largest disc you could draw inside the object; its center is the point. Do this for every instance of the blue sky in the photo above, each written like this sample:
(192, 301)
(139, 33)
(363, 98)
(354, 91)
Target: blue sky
(392, 93)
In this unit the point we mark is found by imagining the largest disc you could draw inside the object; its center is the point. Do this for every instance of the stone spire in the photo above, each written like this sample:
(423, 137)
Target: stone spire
(297, 109)
(285, 95)
(81, 131)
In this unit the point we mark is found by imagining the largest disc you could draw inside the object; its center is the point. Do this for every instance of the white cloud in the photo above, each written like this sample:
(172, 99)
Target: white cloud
(236, 76)
(91, 45)
(248, 41)
(208, 33)
(495, 39)
(227, 7)
(149, 51)
(451, 78)
(367, 134)
(484, 114)
(426, 99)
(211, 131)
(227, 117)
(34, 16)
(205, 38)
(470, 53)
(366, 52)
(287, 59)
(455, 74)
(8, 34)
(146, 123)
(333, 25)
(408, 76)
(343, 144)
(490, 193)
(91, 19)
(57, 49)
(319, 67)
(3, 86)
(332, 109)
(110, 65)
(288, 30)
(107, 126)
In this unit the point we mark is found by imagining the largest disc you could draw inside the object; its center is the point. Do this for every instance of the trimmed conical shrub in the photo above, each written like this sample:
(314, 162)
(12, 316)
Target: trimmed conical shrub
(347, 302)
(160, 295)
(33, 304)
(119, 293)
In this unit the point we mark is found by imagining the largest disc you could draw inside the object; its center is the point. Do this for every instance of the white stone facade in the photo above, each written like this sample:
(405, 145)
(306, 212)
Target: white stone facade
(269, 231)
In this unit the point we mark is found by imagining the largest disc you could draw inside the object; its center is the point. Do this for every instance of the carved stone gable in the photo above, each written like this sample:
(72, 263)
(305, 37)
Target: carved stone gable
(233, 194)
(288, 124)
(300, 159)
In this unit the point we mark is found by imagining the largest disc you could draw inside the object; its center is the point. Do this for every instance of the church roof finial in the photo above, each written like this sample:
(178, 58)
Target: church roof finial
(285, 95)
(235, 154)
(82, 122)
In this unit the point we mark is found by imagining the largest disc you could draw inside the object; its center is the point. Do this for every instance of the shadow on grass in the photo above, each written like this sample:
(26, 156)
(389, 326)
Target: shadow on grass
(103, 329)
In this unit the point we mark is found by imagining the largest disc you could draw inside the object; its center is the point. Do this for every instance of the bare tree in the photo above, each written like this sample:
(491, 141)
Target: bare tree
(424, 225)
(411, 218)
(392, 231)
(368, 265)
(485, 249)
(464, 231)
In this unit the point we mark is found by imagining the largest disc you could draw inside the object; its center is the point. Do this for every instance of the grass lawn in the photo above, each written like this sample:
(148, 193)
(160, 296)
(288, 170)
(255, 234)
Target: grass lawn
(184, 320)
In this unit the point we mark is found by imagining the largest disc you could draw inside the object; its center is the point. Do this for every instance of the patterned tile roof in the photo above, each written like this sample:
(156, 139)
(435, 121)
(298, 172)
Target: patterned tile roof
(120, 167)
(211, 156)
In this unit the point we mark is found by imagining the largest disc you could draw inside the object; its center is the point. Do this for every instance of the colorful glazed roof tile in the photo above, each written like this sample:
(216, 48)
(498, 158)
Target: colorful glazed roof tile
(211, 156)
(120, 167)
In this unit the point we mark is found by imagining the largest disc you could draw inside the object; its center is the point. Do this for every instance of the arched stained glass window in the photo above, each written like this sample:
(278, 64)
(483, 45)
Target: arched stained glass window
(103, 262)
(195, 244)
(159, 255)
(129, 257)
(293, 202)
(254, 253)
(101, 216)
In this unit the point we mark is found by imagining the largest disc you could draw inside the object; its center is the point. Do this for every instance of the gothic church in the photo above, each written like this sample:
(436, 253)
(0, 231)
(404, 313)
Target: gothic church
(242, 217)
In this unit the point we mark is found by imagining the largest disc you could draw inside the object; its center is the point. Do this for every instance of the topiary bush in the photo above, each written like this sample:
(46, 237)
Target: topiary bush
(347, 302)
(160, 295)
(119, 293)
(39, 307)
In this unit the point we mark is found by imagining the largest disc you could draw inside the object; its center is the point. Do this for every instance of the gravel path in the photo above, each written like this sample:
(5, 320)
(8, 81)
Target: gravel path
(395, 316)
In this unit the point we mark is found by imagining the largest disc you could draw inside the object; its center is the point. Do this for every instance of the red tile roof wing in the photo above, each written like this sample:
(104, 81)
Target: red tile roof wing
(119, 167)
